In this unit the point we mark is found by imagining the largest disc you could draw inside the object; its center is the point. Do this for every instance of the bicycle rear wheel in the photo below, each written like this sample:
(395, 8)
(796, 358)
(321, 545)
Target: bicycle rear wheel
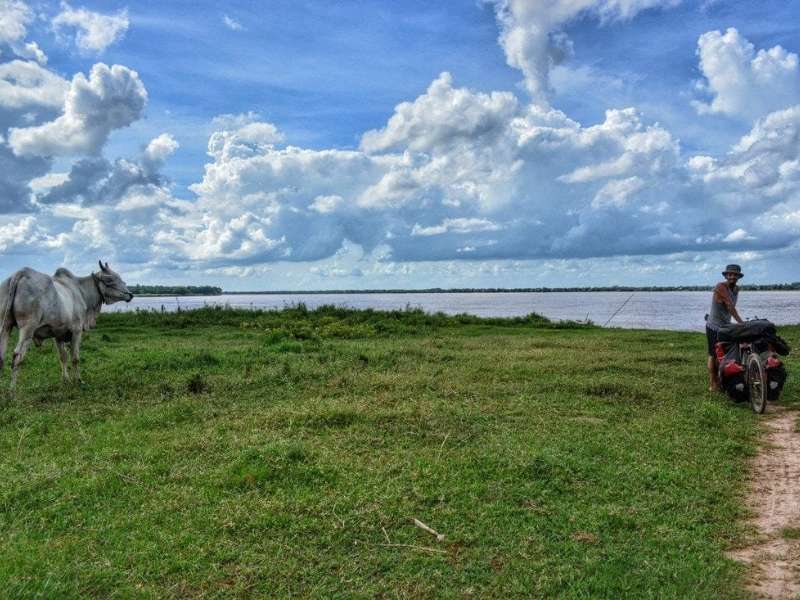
(757, 383)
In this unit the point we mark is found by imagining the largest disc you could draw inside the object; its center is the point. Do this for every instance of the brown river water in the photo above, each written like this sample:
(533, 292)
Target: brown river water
(647, 310)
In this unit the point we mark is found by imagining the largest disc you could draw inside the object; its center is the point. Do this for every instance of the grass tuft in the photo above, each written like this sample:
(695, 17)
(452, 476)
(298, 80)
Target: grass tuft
(273, 468)
(790, 533)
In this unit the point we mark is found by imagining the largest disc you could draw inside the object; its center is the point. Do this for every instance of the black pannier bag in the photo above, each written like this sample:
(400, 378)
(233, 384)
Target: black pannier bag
(731, 371)
(749, 331)
(755, 330)
(776, 375)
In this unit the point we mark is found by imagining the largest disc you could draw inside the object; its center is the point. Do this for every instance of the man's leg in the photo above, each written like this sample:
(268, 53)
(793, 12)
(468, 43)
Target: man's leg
(711, 338)
(712, 374)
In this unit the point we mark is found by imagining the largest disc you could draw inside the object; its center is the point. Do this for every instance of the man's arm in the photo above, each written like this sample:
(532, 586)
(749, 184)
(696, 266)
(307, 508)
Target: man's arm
(722, 294)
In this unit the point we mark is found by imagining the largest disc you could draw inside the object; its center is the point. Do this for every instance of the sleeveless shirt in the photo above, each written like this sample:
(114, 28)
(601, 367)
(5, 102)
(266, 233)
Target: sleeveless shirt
(719, 314)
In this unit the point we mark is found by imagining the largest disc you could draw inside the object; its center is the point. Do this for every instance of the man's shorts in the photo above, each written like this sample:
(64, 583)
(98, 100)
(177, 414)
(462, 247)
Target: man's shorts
(711, 336)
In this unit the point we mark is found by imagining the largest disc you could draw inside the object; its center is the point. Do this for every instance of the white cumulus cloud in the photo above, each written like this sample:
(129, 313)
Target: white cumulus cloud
(111, 98)
(758, 182)
(14, 19)
(160, 148)
(473, 174)
(743, 82)
(26, 234)
(124, 183)
(94, 32)
(15, 16)
(531, 32)
(442, 116)
(26, 84)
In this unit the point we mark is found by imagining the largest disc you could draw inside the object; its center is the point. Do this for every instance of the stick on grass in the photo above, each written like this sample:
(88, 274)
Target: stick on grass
(421, 525)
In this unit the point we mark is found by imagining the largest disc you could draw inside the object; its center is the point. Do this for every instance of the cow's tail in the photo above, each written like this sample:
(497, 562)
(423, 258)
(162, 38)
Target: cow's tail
(6, 312)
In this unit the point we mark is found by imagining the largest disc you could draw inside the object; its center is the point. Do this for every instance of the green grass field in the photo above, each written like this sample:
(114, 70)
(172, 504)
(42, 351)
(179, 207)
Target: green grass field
(231, 454)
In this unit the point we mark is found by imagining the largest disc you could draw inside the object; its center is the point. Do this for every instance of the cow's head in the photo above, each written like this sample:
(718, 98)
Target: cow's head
(111, 286)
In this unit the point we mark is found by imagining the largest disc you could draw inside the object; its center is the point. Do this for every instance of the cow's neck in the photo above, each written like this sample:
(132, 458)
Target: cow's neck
(90, 293)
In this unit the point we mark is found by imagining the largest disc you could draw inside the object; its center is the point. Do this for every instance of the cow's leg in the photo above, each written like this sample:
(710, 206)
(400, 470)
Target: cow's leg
(64, 359)
(5, 334)
(75, 345)
(24, 342)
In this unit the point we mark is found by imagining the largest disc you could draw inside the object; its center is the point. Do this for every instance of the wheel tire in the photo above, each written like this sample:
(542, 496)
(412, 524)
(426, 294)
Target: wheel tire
(778, 376)
(757, 384)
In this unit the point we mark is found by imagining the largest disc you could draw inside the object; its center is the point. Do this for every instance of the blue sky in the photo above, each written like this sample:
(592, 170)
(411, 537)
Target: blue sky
(333, 145)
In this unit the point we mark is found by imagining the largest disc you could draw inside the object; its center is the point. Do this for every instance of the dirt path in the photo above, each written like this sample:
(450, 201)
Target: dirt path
(775, 498)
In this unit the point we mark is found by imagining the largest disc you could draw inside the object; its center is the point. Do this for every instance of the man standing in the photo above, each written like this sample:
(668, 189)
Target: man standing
(723, 307)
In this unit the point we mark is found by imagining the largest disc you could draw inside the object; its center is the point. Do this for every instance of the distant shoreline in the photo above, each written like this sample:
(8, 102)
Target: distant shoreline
(794, 287)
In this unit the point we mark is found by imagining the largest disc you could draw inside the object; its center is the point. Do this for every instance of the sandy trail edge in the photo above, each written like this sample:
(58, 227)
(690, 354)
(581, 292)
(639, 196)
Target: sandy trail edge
(775, 499)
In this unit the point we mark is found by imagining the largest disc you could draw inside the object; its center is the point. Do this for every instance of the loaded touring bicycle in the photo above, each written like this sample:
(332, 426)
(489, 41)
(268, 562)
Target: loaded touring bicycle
(748, 361)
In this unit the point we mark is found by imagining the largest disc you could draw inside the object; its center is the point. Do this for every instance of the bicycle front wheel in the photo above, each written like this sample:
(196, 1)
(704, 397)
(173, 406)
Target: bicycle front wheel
(757, 383)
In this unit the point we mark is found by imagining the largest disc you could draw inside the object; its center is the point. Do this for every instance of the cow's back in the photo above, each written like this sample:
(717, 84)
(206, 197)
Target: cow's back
(35, 294)
(44, 302)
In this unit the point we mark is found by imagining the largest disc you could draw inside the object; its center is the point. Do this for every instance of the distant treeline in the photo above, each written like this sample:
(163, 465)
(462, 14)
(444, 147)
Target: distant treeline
(175, 290)
(209, 290)
(776, 286)
(614, 288)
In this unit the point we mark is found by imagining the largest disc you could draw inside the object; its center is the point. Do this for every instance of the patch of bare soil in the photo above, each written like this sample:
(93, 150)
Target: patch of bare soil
(775, 500)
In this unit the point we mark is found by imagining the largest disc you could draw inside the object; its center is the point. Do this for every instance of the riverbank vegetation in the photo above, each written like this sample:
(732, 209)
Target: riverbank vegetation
(175, 290)
(231, 453)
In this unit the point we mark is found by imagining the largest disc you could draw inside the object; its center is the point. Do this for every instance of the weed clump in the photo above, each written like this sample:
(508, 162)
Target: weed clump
(197, 384)
(165, 390)
(205, 359)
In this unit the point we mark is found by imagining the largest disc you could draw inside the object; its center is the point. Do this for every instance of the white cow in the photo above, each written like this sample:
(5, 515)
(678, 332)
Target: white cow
(62, 307)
